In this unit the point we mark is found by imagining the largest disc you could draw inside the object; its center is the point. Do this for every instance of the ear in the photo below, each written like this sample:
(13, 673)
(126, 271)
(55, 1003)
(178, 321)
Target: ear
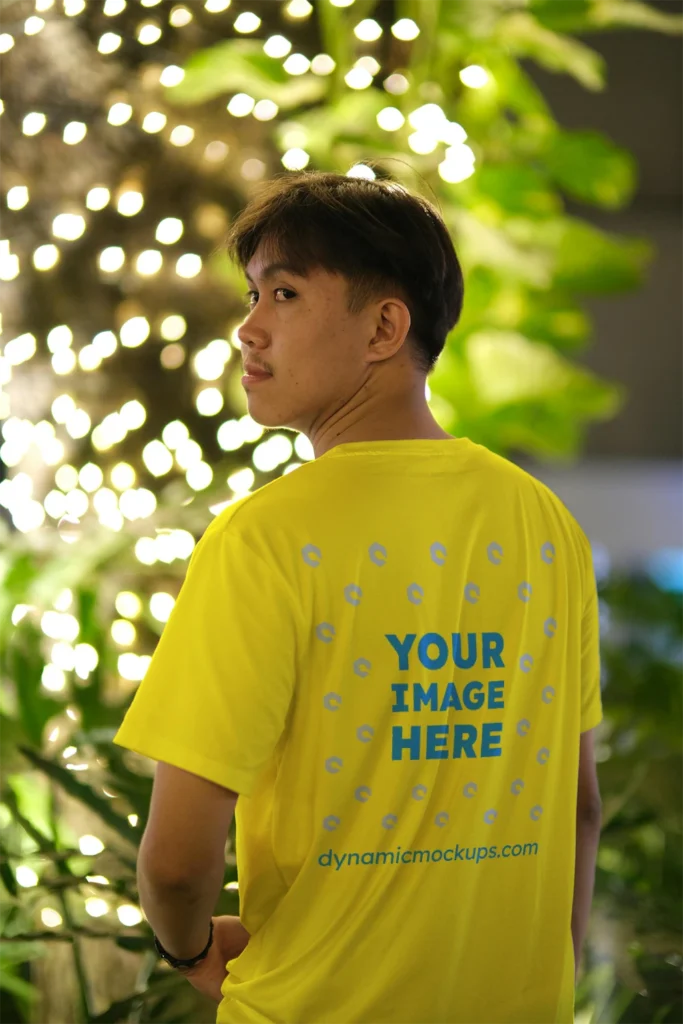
(392, 323)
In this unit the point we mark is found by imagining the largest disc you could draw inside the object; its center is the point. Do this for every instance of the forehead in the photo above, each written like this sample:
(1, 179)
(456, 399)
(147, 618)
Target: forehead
(264, 265)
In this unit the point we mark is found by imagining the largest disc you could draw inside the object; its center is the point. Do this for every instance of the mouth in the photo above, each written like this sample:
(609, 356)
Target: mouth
(255, 378)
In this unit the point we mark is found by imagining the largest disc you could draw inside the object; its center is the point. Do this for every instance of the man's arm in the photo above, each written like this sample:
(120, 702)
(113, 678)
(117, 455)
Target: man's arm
(181, 861)
(588, 823)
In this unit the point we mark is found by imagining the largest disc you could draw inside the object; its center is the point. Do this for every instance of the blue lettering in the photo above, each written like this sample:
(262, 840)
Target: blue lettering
(450, 698)
(440, 660)
(402, 649)
(421, 696)
(399, 744)
(436, 734)
(464, 737)
(473, 703)
(488, 739)
(400, 689)
(496, 693)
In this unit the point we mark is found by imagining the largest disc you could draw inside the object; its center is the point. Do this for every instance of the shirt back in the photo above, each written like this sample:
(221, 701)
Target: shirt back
(390, 653)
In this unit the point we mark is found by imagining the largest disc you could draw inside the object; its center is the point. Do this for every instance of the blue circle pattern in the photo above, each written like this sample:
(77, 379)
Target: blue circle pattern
(353, 594)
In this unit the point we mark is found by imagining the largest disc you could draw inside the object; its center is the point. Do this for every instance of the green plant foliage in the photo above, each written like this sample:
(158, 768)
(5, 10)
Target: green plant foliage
(507, 379)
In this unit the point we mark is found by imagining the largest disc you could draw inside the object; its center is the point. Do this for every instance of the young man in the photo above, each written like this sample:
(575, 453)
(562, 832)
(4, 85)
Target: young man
(387, 660)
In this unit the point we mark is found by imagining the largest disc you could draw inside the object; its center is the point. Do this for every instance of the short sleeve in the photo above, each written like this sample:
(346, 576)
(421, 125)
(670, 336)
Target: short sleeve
(591, 700)
(217, 692)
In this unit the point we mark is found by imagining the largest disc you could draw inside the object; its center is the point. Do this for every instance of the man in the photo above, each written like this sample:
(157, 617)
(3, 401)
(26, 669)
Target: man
(385, 662)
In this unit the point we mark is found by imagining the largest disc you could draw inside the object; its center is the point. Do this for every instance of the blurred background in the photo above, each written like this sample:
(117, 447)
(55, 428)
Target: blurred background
(548, 133)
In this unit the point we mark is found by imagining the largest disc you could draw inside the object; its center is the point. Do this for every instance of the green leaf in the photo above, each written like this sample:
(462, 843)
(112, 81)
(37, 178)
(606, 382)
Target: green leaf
(482, 245)
(596, 263)
(240, 65)
(631, 14)
(520, 34)
(518, 189)
(83, 793)
(601, 15)
(592, 168)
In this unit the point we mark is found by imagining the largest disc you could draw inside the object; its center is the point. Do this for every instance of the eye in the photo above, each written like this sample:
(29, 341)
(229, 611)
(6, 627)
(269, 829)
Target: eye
(252, 296)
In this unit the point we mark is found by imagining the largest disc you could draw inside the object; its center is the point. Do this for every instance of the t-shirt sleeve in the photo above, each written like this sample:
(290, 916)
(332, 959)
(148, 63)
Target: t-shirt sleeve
(591, 700)
(216, 695)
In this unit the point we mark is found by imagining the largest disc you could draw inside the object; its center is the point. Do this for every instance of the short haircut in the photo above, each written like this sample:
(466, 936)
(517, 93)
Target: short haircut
(375, 233)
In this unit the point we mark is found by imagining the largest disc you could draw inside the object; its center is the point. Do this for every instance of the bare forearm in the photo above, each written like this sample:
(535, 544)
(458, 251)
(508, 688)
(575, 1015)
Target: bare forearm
(180, 915)
(587, 842)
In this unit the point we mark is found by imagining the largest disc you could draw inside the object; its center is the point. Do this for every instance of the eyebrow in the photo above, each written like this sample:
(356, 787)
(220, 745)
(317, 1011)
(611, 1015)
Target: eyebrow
(272, 269)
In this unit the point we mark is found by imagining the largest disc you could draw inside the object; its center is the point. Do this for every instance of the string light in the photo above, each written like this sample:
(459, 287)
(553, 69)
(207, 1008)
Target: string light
(247, 22)
(179, 16)
(298, 9)
(33, 123)
(474, 76)
(97, 197)
(368, 30)
(171, 75)
(17, 197)
(297, 64)
(405, 29)
(277, 46)
(154, 122)
(74, 132)
(109, 42)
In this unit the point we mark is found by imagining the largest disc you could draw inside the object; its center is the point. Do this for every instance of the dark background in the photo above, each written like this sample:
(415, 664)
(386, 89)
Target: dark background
(638, 337)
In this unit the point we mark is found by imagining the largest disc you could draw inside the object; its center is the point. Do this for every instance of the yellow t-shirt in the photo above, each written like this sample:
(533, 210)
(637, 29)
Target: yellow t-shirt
(389, 653)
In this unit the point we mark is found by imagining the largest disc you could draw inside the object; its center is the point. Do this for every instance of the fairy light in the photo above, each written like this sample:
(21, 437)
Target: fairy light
(119, 113)
(182, 135)
(405, 29)
(297, 64)
(322, 64)
(390, 119)
(179, 17)
(149, 32)
(474, 76)
(97, 198)
(298, 9)
(188, 265)
(149, 262)
(368, 30)
(277, 46)
(154, 122)
(241, 104)
(265, 110)
(396, 84)
(33, 123)
(111, 259)
(358, 78)
(69, 226)
(17, 197)
(171, 75)
(246, 22)
(129, 203)
(45, 257)
(109, 42)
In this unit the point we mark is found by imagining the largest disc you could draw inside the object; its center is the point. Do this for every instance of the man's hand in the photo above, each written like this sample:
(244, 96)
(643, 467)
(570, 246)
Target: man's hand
(230, 937)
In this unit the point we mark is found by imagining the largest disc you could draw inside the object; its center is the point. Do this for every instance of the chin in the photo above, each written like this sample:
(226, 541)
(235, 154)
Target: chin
(264, 416)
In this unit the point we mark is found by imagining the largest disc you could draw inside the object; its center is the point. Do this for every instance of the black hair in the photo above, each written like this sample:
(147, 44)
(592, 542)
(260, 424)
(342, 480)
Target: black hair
(375, 233)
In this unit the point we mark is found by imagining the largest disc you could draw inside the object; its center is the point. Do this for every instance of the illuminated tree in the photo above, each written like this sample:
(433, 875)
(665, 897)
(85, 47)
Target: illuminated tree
(132, 133)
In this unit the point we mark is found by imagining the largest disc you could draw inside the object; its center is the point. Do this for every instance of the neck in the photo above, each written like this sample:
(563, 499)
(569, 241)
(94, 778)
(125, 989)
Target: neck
(401, 416)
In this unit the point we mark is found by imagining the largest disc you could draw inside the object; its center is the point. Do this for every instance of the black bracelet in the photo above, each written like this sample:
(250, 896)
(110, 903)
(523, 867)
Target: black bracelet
(175, 962)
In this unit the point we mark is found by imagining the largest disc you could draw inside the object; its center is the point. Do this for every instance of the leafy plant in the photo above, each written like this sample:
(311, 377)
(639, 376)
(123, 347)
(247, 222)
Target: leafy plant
(507, 379)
